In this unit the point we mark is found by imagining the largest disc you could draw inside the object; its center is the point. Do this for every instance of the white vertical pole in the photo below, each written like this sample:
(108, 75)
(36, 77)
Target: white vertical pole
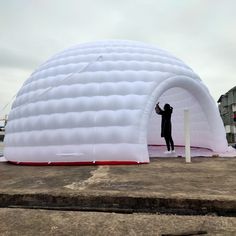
(187, 136)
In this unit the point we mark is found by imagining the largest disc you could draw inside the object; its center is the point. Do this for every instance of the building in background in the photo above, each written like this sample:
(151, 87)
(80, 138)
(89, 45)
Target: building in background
(3, 123)
(227, 108)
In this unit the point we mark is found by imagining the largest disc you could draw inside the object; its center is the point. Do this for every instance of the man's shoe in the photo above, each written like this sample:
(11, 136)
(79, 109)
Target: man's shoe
(167, 152)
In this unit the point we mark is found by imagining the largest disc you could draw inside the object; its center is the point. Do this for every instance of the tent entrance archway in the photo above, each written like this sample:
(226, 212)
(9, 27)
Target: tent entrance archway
(179, 99)
(184, 93)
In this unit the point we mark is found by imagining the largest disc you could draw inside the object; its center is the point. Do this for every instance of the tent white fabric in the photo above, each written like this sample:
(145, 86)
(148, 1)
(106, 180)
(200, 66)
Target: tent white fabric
(94, 103)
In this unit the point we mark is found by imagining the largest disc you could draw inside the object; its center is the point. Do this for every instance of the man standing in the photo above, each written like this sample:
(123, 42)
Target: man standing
(166, 131)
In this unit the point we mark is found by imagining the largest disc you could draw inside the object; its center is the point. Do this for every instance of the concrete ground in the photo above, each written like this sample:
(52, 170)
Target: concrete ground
(45, 222)
(96, 198)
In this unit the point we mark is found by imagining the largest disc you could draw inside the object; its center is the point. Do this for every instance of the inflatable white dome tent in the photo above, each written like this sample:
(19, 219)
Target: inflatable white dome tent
(94, 103)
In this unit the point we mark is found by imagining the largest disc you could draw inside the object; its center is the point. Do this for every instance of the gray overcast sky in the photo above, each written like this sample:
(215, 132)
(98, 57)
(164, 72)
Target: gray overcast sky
(200, 32)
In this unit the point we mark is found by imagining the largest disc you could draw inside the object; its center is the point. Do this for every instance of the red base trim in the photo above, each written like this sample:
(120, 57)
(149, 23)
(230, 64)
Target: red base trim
(77, 163)
(159, 145)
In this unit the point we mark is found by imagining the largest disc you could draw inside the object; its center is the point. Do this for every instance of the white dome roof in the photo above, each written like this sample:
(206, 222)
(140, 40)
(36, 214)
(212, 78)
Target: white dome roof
(94, 103)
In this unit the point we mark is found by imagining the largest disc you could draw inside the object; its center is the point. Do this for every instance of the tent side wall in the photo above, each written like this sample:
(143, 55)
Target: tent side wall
(124, 143)
(122, 153)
